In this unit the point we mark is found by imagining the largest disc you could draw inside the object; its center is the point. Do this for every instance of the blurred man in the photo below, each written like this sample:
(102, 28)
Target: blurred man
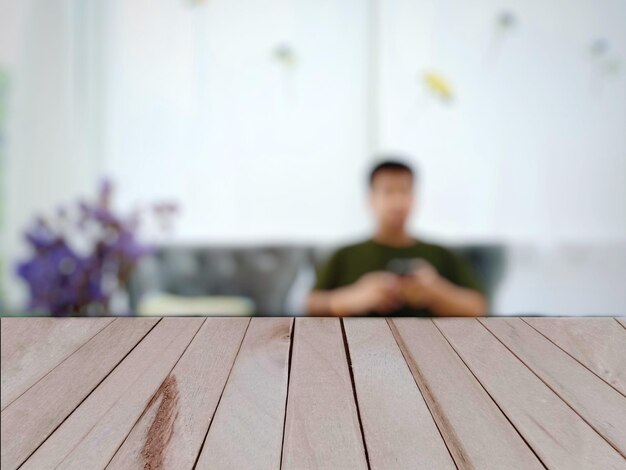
(394, 273)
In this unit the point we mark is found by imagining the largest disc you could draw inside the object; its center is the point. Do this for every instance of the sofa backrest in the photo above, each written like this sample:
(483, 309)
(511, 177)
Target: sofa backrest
(264, 274)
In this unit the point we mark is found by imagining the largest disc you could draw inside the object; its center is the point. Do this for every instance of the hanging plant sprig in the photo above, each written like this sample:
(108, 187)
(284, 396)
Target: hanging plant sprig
(285, 56)
(506, 21)
(603, 64)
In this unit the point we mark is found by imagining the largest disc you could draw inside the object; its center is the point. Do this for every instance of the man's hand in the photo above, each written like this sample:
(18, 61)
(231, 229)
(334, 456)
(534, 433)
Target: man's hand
(383, 292)
(421, 288)
(378, 291)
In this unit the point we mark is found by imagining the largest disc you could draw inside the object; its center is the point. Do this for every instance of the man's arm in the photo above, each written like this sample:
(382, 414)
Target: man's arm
(374, 292)
(451, 300)
(426, 288)
(328, 302)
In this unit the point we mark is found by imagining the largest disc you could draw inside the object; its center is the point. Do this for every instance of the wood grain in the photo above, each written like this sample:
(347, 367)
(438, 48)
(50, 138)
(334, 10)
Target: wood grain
(559, 436)
(31, 349)
(399, 430)
(247, 431)
(36, 413)
(598, 343)
(91, 435)
(223, 393)
(200, 376)
(475, 430)
(322, 426)
(600, 405)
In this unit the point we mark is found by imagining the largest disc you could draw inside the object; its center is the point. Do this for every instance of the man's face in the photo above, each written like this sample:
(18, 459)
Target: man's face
(391, 198)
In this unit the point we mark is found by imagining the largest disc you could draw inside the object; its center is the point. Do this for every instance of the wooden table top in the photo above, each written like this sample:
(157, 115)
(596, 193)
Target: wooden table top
(266, 393)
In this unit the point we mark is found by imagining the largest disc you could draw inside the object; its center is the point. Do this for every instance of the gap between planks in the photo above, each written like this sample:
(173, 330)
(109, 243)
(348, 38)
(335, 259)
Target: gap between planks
(389, 322)
(603, 424)
(478, 345)
(289, 362)
(487, 392)
(221, 395)
(354, 392)
(593, 367)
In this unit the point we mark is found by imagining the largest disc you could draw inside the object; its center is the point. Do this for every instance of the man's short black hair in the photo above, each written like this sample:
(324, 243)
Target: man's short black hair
(392, 164)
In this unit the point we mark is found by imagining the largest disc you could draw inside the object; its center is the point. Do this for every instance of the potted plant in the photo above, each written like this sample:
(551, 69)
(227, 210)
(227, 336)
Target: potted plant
(83, 257)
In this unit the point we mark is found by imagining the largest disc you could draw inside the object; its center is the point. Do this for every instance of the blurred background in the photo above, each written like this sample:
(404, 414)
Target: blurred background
(171, 156)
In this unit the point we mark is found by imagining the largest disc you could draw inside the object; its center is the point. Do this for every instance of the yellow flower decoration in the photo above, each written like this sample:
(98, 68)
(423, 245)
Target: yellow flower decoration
(438, 85)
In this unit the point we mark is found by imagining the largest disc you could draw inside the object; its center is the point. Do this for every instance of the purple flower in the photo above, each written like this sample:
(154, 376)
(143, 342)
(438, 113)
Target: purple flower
(60, 280)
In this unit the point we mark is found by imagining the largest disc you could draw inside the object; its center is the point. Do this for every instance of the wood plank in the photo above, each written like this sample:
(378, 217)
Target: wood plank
(32, 347)
(559, 437)
(475, 430)
(247, 431)
(200, 376)
(599, 404)
(598, 343)
(36, 413)
(399, 430)
(322, 426)
(97, 428)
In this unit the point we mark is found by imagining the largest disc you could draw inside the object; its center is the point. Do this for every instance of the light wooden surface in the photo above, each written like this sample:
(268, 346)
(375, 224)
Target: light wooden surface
(557, 434)
(322, 425)
(397, 436)
(596, 343)
(30, 350)
(269, 393)
(247, 431)
(478, 435)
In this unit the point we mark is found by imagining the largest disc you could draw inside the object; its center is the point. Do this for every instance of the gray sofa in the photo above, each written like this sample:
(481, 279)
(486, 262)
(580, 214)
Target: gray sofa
(274, 278)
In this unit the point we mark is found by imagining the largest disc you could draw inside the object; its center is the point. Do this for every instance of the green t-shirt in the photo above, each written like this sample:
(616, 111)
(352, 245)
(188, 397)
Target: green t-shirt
(349, 263)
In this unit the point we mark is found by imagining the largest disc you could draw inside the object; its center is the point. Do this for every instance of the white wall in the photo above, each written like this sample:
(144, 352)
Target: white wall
(184, 99)
(533, 146)
(531, 152)
(188, 101)
(45, 166)
(564, 279)
(200, 110)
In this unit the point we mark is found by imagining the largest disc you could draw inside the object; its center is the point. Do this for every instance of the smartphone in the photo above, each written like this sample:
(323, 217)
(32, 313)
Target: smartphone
(404, 266)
